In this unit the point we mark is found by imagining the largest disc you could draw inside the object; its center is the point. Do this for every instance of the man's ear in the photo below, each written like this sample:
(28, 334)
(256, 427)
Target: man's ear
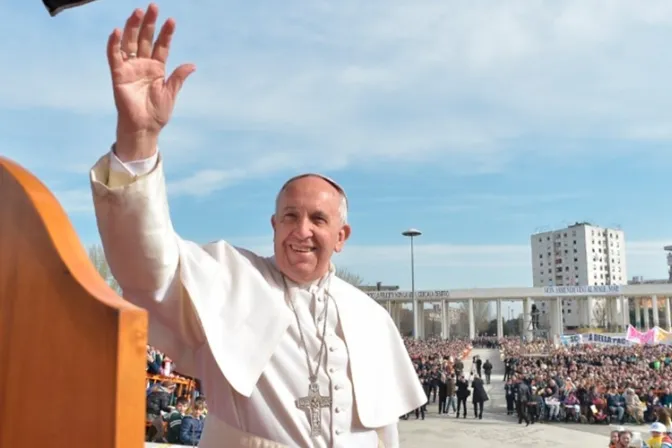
(343, 236)
(273, 224)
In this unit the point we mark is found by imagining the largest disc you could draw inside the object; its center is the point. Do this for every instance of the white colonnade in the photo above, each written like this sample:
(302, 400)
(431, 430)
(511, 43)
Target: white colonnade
(616, 308)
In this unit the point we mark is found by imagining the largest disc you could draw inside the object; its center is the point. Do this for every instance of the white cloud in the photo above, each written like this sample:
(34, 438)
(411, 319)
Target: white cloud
(450, 83)
(75, 201)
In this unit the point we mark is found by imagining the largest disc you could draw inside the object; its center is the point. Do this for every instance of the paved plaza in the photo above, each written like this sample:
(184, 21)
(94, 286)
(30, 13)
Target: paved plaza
(496, 426)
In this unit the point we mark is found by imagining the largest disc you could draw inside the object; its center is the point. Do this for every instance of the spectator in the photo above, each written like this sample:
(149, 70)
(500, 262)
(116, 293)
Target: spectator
(487, 369)
(174, 420)
(479, 397)
(192, 425)
(462, 394)
(158, 401)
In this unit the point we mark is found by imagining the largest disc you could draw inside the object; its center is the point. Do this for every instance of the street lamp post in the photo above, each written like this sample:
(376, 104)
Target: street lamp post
(412, 233)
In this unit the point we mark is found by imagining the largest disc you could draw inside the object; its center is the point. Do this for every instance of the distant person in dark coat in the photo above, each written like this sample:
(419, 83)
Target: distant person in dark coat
(479, 397)
(487, 369)
(510, 393)
(443, 392)
(523, 397)
(462, 394)
(479, 364)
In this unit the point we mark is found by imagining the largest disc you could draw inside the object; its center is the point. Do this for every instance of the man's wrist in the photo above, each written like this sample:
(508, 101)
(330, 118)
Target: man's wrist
(134, 146)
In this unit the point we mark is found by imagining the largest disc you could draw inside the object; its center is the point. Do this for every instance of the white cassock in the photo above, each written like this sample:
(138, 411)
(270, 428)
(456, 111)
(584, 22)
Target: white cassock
(222, 315)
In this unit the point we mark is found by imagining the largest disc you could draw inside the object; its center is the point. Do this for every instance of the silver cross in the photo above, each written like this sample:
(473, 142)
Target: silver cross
(312, 404)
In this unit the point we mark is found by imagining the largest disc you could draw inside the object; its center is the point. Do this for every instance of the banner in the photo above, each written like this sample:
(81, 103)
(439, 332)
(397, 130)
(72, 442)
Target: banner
(593, 338)
(596, 338)
(574, 339)
(633, 335)
(655, 335)
(591, 290)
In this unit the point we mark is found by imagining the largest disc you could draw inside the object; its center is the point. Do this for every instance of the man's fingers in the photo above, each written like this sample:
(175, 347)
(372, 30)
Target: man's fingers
(162, 46)
(176, 80)
(129, 39)
(146, 33)
(114, 49)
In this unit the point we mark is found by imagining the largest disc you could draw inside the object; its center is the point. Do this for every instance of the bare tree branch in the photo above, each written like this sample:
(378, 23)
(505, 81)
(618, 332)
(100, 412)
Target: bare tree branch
(600, 313)
(97, 257)
(352, 278)
(481, 314)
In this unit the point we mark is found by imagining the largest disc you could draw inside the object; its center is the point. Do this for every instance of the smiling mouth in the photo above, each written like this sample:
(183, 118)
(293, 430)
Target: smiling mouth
(302, 249)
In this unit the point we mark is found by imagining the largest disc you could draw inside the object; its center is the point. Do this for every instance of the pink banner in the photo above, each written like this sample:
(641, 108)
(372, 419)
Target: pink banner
(633, 335)
(639, 337)
(649, 337)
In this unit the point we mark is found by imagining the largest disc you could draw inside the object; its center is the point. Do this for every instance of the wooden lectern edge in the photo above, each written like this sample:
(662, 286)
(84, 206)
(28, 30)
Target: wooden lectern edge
(65, 239)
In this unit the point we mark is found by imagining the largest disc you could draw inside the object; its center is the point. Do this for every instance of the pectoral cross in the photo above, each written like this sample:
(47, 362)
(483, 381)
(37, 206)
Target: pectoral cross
(312, 405)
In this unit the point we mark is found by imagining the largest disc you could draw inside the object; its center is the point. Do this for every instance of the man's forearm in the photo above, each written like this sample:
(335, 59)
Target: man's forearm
(134, 224)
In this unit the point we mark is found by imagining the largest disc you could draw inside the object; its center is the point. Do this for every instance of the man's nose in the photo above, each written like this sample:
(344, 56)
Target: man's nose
(304, 228)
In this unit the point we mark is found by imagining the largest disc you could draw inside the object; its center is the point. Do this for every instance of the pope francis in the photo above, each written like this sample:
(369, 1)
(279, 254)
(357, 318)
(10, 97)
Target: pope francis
(289, 355)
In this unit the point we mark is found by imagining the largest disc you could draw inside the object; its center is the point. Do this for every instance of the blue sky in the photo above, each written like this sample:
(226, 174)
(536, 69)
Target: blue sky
(476, 122)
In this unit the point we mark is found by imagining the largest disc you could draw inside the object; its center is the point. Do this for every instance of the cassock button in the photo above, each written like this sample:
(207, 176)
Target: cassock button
(332, 370)
(337, 387)
(331, 349)
(339, 432)
(338, 410)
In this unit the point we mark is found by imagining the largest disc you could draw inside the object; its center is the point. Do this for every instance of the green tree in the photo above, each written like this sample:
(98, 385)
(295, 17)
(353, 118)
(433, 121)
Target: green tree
(350, 277)
(97, 257)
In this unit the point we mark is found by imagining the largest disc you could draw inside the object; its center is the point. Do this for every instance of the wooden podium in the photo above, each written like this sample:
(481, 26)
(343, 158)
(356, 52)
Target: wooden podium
(72, 352)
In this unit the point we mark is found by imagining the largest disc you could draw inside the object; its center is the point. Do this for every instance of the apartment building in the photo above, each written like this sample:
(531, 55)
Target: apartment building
(581, 254)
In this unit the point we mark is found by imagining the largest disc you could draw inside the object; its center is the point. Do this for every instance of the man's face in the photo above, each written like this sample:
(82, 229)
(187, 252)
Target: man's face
(308, 229)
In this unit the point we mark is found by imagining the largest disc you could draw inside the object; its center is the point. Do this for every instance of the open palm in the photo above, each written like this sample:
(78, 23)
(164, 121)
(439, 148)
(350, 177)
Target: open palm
(144, 97)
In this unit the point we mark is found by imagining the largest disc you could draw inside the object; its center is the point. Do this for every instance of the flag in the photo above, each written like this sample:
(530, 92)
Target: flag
(56, 6)
(633, 335)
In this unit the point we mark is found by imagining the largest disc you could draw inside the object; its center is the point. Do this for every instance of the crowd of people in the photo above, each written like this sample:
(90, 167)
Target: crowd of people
(585, 383)
(440, 367)
(172, 415)
(590, 383)
(543, 383)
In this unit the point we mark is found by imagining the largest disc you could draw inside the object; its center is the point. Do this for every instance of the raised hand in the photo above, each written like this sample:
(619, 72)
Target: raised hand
(144, 97)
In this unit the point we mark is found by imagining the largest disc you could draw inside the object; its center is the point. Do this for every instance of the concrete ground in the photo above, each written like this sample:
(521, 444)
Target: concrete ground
(496, 427)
